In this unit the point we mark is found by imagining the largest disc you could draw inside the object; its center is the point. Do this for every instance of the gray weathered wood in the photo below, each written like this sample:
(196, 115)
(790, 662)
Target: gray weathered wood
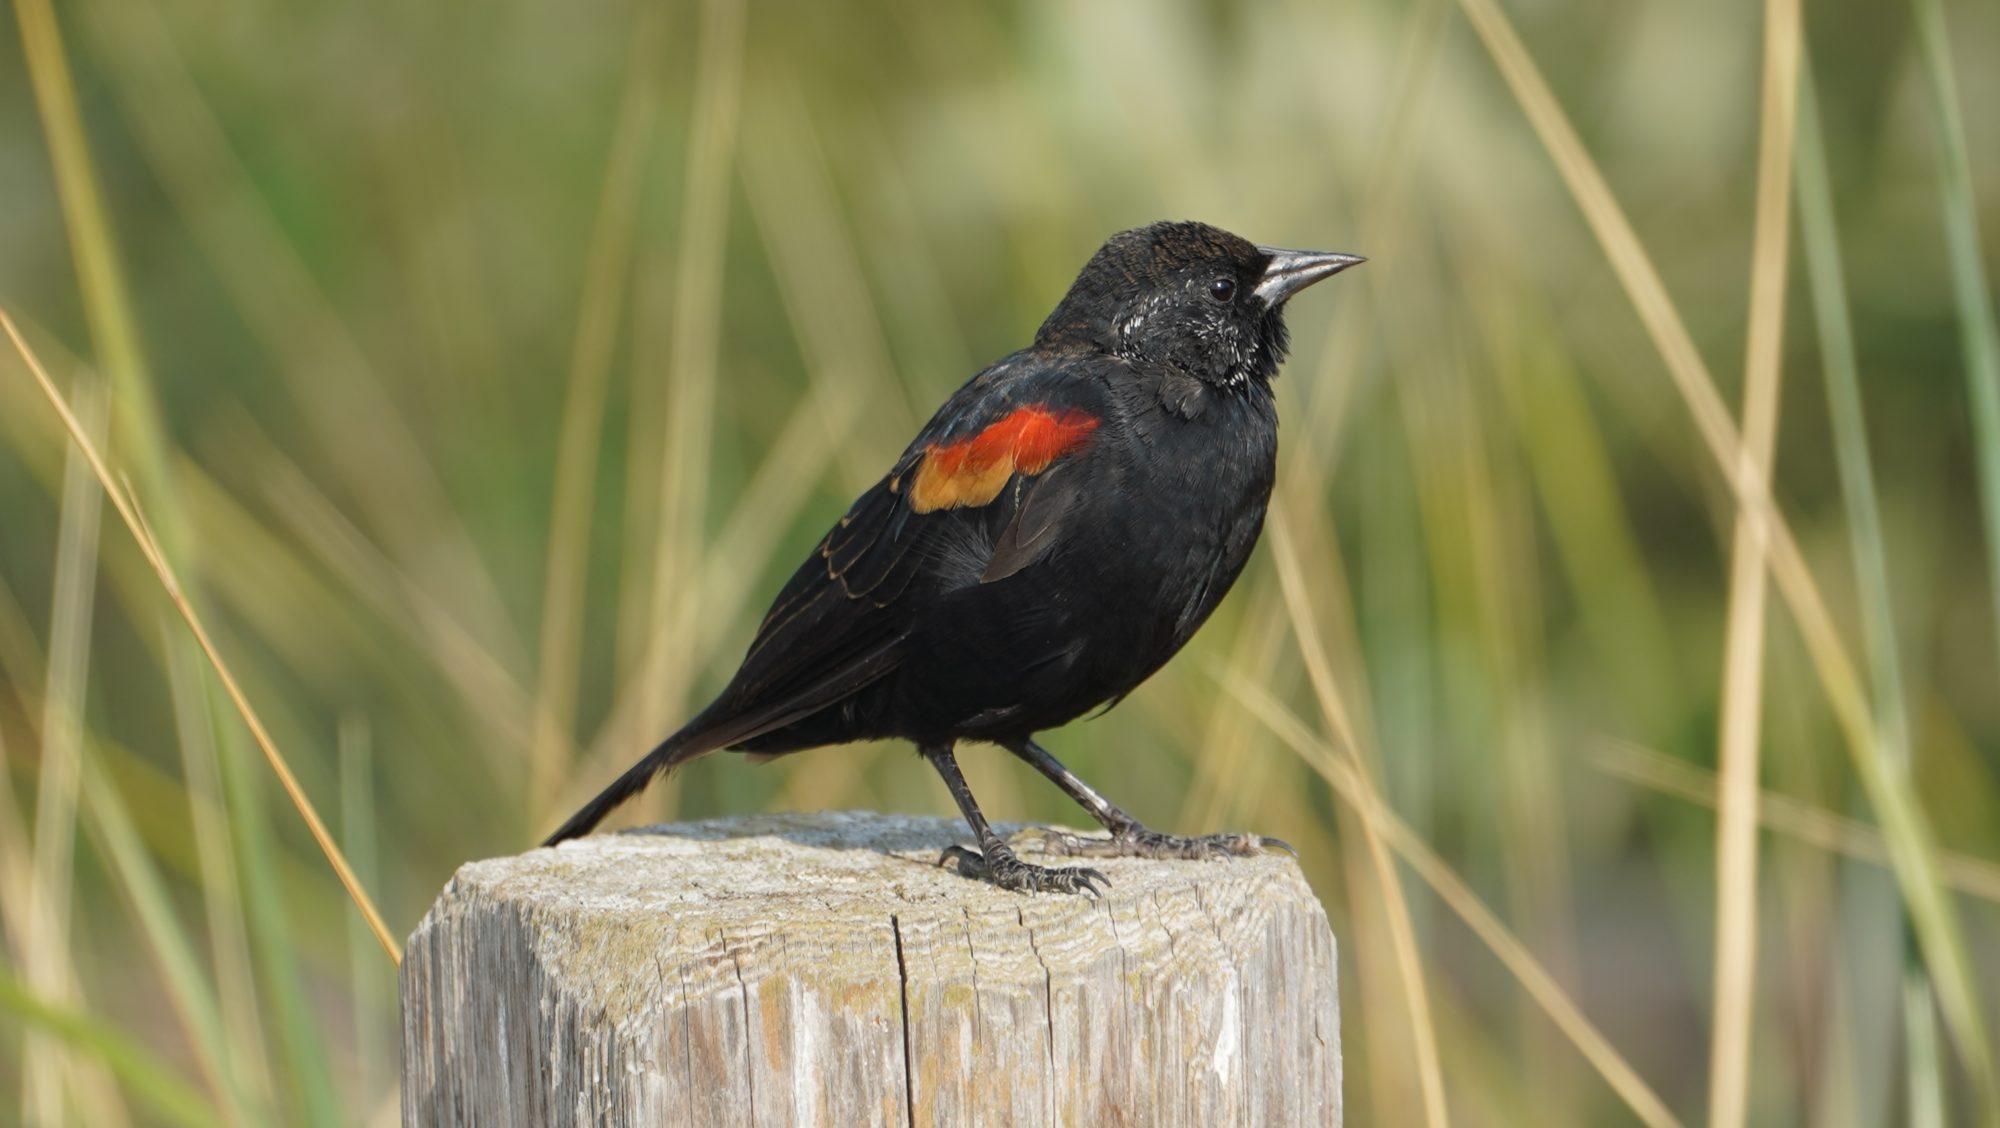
(821, 969)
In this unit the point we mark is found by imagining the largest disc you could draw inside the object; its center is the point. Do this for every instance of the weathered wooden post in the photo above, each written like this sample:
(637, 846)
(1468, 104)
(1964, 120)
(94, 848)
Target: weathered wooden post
(821, 969)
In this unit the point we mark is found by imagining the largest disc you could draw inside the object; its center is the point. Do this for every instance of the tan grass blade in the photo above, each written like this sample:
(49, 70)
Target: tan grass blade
(108, 311)
(168, 1097)
(1226, 740)
(221, 887)
(1567, 453)
(341, 392)
(17, 877)
(767, 509)
(105, 302)
(695, 342)
(46, 956)
(151, 550)
(822, 282)
(1865, 907)
(22, 669)
(1814, 826)
(1218, 787)
(1459, 897)
(768, 506)
(1904, 825)
(20, 899)
(1307, 454)
(488, 686)
(193, 1001)
(1504, 584)
(1743, 661)
(599, 311)
(825, 297)
(1402, 933)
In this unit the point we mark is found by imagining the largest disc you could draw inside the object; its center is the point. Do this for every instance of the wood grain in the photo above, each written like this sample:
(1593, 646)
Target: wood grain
(821, 969)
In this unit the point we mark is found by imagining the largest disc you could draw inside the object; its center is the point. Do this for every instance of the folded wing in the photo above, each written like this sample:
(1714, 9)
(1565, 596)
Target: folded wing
(985, 472)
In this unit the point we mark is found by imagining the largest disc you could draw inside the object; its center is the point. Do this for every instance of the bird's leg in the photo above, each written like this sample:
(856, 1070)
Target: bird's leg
(1129, 837)
(995, 861)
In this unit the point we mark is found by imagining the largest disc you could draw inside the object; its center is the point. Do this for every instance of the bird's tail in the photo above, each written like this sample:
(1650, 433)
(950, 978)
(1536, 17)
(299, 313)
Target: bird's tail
(687, 744)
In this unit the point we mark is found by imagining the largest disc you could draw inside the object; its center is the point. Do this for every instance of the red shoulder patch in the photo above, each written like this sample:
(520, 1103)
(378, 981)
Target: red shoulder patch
(973, 471)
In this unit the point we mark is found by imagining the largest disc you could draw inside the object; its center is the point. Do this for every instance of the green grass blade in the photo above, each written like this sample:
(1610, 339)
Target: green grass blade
(1927, 1103)
(222, 891)
(141, 432)
(1592, 529)
(695, 343)
(358, 835)
(149, 1079)
(1934, 917)
(1977, 326)
(302, 1047)
(93, 246)
(47, 954)
(600, 311)
(226, 682)
(1980, 334)
(1354, 789)
(193, 998)
(233, 225)
(1827, 285)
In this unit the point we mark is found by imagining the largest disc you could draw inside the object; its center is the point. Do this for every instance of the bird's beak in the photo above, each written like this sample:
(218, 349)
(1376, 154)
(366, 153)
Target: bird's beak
(1291, 271)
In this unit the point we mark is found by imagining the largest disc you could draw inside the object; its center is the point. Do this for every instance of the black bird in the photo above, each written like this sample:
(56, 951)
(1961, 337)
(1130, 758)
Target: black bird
(1058, 531)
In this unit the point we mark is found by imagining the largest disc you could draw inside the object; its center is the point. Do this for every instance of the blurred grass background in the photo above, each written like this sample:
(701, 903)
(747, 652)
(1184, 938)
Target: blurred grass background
(481, 370)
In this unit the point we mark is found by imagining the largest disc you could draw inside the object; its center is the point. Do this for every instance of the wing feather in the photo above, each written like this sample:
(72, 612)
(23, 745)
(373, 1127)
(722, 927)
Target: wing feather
(837, 624)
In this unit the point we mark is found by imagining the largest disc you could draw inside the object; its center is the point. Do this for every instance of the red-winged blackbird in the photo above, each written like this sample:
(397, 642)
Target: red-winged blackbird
(1058, 531)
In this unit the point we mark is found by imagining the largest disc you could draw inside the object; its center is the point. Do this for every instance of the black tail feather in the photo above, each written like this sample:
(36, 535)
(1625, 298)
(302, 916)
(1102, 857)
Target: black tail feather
(725, 725)
(674, 751)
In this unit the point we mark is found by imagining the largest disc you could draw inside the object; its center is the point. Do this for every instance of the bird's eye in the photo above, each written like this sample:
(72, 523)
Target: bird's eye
(1222, 290)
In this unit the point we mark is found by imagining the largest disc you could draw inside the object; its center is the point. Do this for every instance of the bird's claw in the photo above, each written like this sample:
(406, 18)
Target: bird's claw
(1140, 842)
(1269, 843)
(1000, 867)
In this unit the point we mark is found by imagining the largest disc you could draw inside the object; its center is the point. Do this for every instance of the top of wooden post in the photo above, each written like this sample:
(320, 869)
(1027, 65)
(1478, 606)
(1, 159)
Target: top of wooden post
(823, 968)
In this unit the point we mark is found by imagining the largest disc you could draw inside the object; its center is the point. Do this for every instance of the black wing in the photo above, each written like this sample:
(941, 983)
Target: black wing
(838, 623)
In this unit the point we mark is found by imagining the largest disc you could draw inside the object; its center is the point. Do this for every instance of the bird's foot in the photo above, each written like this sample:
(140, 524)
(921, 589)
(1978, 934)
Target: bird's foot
(1140, 842)
(999, 866)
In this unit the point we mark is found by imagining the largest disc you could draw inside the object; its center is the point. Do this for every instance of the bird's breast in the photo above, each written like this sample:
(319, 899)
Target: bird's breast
(1182, 514)
(1165, 513)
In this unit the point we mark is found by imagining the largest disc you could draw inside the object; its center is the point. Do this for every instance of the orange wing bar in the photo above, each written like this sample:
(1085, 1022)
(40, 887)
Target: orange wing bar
(973, 471)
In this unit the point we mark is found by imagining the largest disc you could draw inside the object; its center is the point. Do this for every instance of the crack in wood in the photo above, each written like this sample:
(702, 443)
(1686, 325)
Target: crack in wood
(909, 1050)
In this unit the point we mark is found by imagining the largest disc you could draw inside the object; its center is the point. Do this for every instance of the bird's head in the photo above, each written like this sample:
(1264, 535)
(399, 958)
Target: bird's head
(1191, 296)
